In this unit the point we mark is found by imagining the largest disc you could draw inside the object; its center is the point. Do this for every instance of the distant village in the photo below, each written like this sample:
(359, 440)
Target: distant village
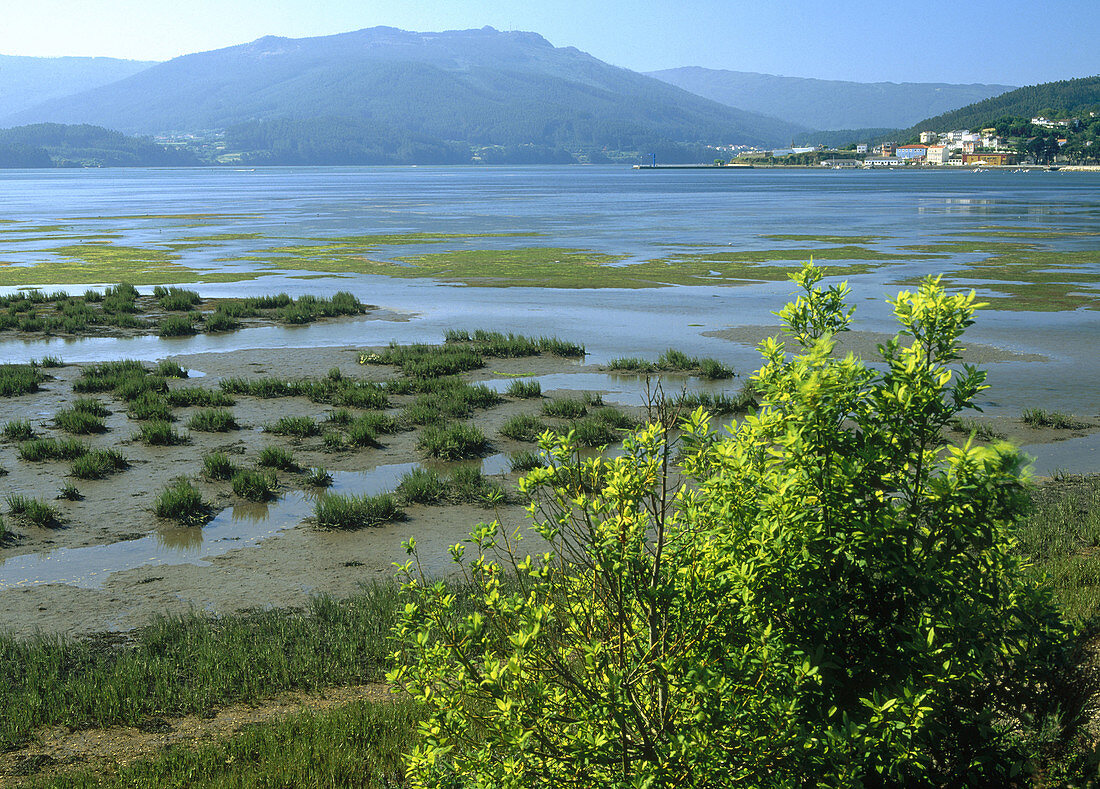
(957, 148)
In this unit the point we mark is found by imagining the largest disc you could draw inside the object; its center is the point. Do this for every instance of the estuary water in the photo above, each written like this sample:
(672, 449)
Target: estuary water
(640, 215)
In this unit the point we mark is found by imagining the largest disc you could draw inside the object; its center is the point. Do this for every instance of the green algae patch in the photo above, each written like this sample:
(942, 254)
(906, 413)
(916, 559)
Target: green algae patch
(214, 238)
(946, 248)
(822, 239)
(61, 237)
(88, 264)
(1020, 232)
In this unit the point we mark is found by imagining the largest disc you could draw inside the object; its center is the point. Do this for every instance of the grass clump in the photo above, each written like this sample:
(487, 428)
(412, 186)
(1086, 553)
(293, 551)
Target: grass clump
(69, 492)
(18, 430)
(176, 326)
(176, 299)
(19, 379)
(212, 420)
(276, 457)
(632, 364)
(718, 402)
(565, 408)
(526, 460)
(181, 501)
(40, 449)
(31, 511)
(78, 422)
(458, 441)
(51, 362)
(468, 484)
(673, 360)
(318, 478)
(169, 369)
(220, 321)
(422, 486)
(334, 511)
(1040, 417)
(160, 433)
(150, 405)
(99, 463)
(89, 405)
(194, 396)
(980, 430)
(217, 466)
(523, 427)
(297, 426)
(255, 485)
(524, 389)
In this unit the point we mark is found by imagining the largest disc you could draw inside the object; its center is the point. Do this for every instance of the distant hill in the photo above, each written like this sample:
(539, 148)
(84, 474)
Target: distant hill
(386, 89)
(26, 82)
(57, 145)
(838, 138)
(828, 104)
(1065, 97)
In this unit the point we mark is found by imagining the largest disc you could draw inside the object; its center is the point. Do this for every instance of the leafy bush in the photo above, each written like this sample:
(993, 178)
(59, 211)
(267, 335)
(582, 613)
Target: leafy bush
(181, 501)
(356, 512)
(255, 485)
(834, 600)
(453, 442)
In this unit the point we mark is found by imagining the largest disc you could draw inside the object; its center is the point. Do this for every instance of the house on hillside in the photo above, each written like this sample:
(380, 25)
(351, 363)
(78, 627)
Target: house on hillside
(915, 151)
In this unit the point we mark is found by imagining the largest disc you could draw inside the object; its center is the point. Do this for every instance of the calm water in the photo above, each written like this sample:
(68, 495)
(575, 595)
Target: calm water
(642, 214)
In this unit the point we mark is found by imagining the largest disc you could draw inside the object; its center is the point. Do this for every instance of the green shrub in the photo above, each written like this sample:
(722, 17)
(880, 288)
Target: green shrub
(212, 420)
(18, 430)
(356, 512)
(159, 433)
(834, 600)
(523, 427)
(217, 466)
(525, 389)
(98, 463)
(181, 501)
(453, 442)
(276, 457)
(255, 485)
(298, 426)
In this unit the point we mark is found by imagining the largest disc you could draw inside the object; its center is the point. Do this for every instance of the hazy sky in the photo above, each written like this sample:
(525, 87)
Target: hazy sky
(1014, 42)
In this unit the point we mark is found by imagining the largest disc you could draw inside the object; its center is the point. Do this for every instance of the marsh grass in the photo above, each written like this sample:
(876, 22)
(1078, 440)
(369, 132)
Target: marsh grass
(255, 485)
(79, 422)
(212, 420)
(297, 426)
(673, 360)
(176, 299)
(457, 400)
(89, 405)
(169, 369)
(523, 427)
(31, 511)
(335, 511)
(150, 405)
(194, 396)
(19, 379)
(39, 449)
(339, 392)
(18, 430)
(565, 408)
(318, 478)
(276, 457)
(181, 501)
(220, 321)
(69, 492)
(98, 463)
(192, 664)
(718, 403)
(176, 326)
(217, 466)
(981, 430)
(524, 389)
(526, 460)
(160, 433)
(457, 441)
(422, 486)
(1040, 417)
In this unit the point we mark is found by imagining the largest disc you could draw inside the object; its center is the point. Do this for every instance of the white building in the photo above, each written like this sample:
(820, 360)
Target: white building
(882, 161)
(927, 137)
(937, 154)
(861, 147)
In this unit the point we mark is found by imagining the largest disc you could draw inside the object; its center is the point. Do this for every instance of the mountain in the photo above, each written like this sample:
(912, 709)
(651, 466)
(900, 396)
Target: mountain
(383, 88)
(1062, 98)
(827, 104)
(56, 145)
(26, 82)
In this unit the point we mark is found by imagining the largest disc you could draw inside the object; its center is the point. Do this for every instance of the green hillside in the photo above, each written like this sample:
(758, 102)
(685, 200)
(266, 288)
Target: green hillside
(391, 90)
(58, 145)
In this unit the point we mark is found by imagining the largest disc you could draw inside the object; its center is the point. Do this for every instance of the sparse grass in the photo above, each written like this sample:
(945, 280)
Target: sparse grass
(718, 403)
(18, 430)
(981, 430)
(31, 511)
(78, 422)
(69, 492)
(340, 416)
(565, 408)
(212, 420)
(276, 457)
(524, 389)
(1040, 417)
(194, 396)
(526, 460)
(297, 426)
(159, 433)
(523, 427)
(181, 501)
(341, 392)
(453, 442)
(98, 463)
(217, 466)
(356, 512)
(318, 478)
(673, 360)
(255, 485)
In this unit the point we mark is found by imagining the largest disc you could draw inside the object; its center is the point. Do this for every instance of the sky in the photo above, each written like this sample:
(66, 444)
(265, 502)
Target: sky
(1010, 42)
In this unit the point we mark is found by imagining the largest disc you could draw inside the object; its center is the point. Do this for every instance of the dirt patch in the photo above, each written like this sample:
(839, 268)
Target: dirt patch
(60, 749)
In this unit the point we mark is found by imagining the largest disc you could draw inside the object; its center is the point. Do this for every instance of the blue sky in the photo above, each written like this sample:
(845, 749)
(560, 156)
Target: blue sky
(1013, 42)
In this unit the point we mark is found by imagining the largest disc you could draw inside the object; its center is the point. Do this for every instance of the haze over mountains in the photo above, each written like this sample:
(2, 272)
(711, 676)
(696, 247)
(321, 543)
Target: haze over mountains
(383, 95)
(828, 104)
